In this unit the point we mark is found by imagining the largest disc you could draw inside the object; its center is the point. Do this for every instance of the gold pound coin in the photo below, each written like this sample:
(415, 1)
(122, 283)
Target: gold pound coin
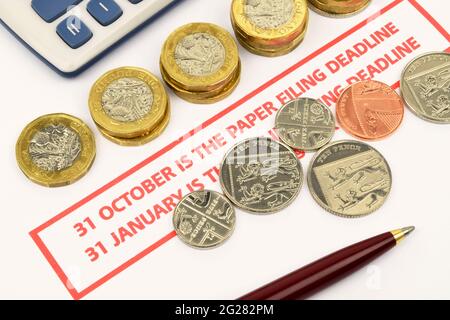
(270, 28)
(200, 57)
(55, 150)
(268, 51)
(141, 140)
(127, 102)
(205, 97)
(338, 8)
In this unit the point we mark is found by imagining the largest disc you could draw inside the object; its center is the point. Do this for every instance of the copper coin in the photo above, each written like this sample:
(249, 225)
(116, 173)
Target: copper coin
(369, 110)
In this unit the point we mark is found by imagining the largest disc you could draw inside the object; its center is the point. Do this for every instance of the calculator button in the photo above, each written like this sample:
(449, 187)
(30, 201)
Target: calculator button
(50, 10)
(104, 11)
(135, 1)
(74, 32)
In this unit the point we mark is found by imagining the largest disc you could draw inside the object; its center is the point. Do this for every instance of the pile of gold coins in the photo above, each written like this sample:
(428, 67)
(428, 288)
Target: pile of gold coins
(338, 8)
(130, 106)
(272, 30)
(200, 63)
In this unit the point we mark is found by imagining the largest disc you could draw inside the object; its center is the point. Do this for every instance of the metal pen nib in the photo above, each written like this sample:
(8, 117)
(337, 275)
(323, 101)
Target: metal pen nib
(400, 234)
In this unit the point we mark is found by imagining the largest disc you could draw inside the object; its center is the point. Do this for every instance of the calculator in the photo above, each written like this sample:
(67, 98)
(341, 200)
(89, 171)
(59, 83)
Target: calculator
(69, 35)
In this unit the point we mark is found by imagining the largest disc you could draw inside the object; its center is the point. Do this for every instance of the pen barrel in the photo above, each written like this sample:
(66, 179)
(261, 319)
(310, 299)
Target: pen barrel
(315, 276)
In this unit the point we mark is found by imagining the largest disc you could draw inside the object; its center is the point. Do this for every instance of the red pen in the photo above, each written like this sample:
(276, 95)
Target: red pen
(309, 279)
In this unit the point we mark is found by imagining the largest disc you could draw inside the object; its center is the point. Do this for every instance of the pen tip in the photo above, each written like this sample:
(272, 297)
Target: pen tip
(408, 230)
(400, 234)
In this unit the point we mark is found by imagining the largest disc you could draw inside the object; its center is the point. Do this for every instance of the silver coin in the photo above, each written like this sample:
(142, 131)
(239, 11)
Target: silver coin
(349, 178)
(204, 219)
(54, 148)
(425, 86)
(305, 124)
(269, 14)
(200, 54)
(261, 175)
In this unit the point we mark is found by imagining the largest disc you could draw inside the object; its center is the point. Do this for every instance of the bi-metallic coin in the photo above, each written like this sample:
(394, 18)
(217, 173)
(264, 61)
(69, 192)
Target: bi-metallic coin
(128, 102)
(55, 150)
(338, 8)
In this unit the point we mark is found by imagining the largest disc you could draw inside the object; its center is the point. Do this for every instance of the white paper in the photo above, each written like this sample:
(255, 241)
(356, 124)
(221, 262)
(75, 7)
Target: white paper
(153, 263)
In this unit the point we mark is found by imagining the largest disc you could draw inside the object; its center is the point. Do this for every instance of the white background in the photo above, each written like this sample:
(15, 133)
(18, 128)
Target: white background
(418, 155)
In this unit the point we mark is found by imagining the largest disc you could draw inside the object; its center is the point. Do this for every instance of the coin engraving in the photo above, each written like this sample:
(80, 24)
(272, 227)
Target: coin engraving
(127, 102)
(269, 14)
(200, 54)
(54, 148)
(261, 175)
(204, 219)
(204, 69)
(370, 110)
(305, 124)
(426, 86)
(127, 99)
(349, 178)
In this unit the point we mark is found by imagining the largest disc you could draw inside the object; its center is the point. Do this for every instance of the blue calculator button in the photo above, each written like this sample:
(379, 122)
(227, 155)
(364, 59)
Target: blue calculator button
(104, 11)
(135, 1)
(50, 10)
(74, 32)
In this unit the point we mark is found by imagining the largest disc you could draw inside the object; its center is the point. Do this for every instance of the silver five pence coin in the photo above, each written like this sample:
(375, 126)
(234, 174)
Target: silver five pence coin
(305, 124)
(204, 219)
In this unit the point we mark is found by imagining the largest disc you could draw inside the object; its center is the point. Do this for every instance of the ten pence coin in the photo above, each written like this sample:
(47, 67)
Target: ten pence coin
(349, 178)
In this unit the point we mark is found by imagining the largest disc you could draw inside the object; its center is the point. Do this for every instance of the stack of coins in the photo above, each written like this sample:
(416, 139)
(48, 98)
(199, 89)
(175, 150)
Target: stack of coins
(270, 28)
(200, 62)
(130, 106)
(338, 8)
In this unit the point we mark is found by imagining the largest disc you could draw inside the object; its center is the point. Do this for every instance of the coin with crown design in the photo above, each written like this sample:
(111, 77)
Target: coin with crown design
(305, 124)
(204, 219)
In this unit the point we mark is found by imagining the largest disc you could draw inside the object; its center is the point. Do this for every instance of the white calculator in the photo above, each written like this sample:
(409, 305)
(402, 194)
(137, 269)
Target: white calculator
(70, 35)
